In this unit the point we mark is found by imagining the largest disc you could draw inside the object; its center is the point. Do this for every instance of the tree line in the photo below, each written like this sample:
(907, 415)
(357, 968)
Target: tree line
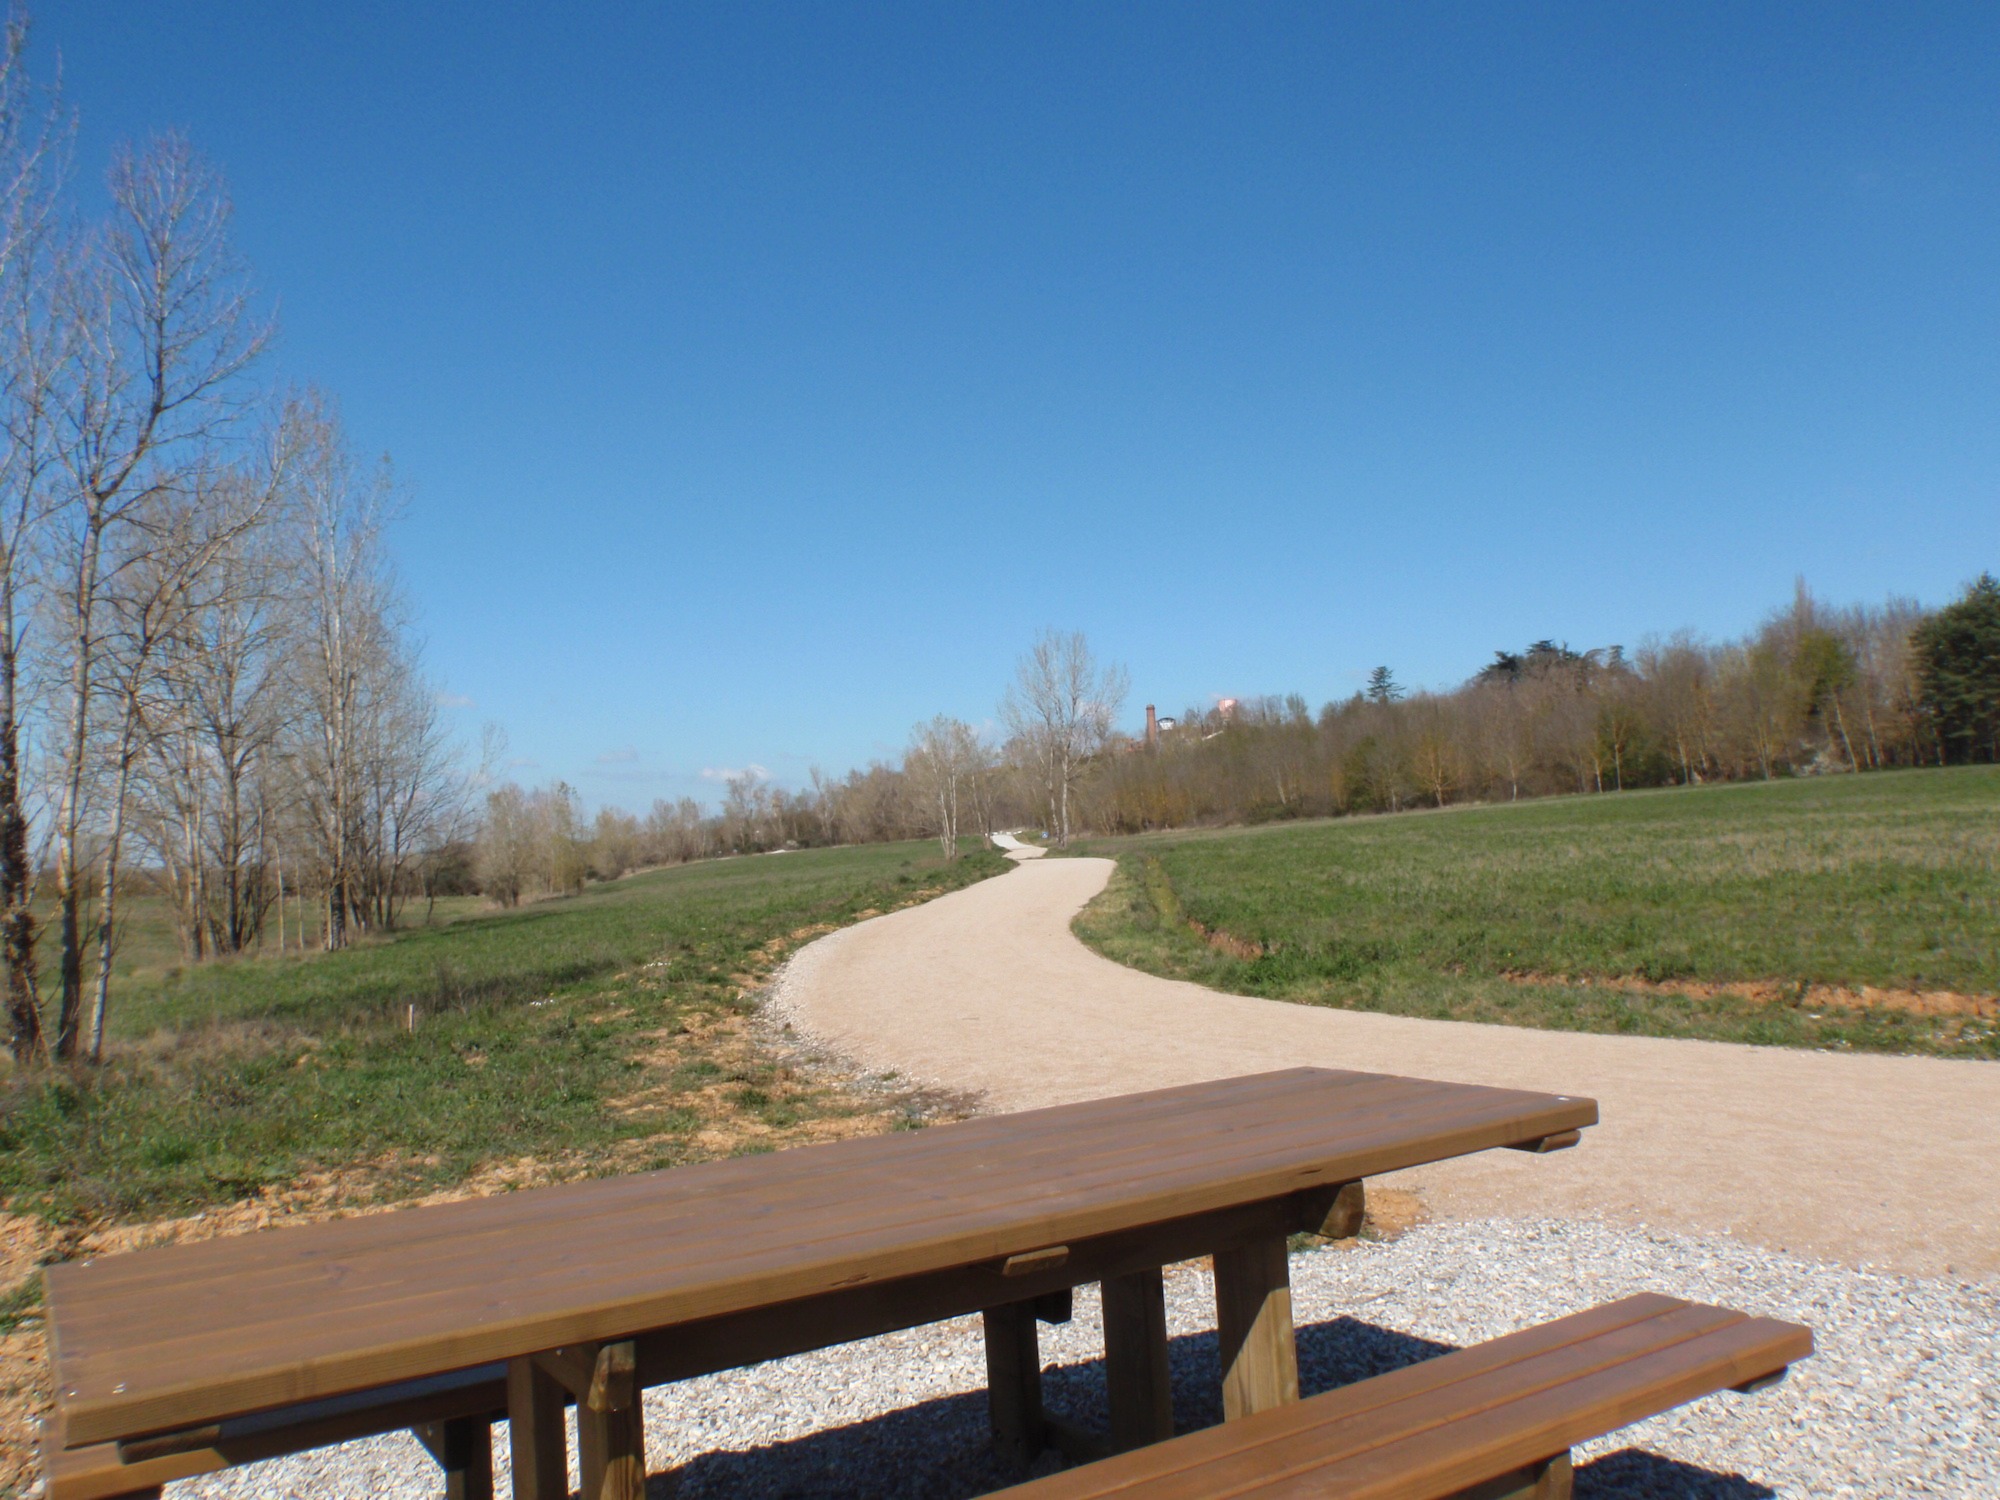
(1813, 690)
(952, 780)
(207, 681)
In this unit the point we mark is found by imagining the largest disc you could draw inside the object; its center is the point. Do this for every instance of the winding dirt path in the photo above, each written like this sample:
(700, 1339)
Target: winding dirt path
(1888, 1161)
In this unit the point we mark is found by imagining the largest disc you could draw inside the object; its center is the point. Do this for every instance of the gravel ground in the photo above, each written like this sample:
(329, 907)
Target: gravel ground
(1902, 1399)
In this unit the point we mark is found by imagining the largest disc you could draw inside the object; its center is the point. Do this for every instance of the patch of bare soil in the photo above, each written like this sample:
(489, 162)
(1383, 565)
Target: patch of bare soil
(1391, 1213)
(1227, 942)
(753, 1099)
(24, 1396)
(1935, 1003)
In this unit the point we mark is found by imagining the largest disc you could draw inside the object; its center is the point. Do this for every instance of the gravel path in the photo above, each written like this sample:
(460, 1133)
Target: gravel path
(1888, 1161)
(1902, 1399)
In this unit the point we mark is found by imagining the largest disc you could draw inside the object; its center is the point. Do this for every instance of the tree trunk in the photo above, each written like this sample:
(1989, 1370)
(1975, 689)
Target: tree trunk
(1062, 816)
(17, 916)
(69, 901)
(69, 893)
(1840, 723)
(108, 897)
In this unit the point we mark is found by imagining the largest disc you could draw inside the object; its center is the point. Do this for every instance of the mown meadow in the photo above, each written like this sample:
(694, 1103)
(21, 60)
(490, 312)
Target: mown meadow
(1752, 912)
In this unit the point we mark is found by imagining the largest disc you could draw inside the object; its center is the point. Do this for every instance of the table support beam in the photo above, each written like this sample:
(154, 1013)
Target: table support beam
(611, 1429)
(1138, 1386)
(537, 1433)
(1253, 1313)
(1337, 1214)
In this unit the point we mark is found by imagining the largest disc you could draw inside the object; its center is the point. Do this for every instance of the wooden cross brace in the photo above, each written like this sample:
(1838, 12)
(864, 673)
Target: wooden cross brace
(610, 1425)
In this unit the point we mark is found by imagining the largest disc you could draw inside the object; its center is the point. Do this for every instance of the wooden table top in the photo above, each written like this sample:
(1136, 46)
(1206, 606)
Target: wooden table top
(176, 1337)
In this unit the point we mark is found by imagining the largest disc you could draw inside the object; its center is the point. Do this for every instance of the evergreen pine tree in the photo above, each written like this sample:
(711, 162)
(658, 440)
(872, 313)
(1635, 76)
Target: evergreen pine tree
(1958, 665)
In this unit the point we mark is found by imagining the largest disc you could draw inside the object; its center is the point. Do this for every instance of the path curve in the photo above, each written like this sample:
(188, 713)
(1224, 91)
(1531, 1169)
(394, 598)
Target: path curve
(1888, 1161)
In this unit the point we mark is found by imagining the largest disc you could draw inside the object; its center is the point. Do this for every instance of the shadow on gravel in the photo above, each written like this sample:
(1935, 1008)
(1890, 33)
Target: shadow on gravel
(1634, 1474)
(937, 1450)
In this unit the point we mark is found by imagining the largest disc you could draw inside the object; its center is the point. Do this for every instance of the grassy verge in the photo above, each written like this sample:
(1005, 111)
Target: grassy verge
(598, 1033)
(1760, 913)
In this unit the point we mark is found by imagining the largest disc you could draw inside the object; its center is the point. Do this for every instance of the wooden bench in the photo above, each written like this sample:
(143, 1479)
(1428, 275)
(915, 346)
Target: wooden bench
(452, 1415)
(1497, 1420)
(191, 1358)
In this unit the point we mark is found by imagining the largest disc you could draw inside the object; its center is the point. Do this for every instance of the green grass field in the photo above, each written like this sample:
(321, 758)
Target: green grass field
(599, 1032)
(148, 949)
(1524, 914)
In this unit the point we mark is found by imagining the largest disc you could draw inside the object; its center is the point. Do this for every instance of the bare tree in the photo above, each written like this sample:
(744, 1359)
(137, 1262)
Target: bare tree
(1503, 718)
(1435, 746)
(614, 843)
(343, 637)
(1061, 708)
(944, 754)
(34, 136)
(504, 858)
(532, 841)
(413, 795)
(826, 805)
(162, 329)
(148, 600)
(1677, 697)
(982, 784)
(208, 796)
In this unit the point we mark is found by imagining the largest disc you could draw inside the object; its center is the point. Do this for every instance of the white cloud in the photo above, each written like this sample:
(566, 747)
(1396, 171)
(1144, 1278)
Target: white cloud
(524, 764)
(624, 755)
(725, 773)
(455, 700)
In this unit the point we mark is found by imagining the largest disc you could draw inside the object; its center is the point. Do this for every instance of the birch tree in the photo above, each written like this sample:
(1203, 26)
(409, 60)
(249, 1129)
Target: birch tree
(161, 323)
(1060, 709)
(342, 629)
(148, 600)
(206, 811)
(944, 755)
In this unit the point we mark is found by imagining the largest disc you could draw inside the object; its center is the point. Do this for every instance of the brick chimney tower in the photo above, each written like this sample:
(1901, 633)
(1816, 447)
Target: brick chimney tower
(1152, 727)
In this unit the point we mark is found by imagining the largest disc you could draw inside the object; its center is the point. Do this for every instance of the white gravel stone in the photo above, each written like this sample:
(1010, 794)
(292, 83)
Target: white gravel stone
(1901, 1399)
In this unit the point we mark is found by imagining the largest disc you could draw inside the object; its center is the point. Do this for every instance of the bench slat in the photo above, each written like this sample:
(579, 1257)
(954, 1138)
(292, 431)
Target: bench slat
(1445, 1424)
(97, 1470)
(1442, 1462)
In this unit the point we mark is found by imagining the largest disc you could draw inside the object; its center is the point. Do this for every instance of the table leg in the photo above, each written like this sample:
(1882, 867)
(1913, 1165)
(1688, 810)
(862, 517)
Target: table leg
(1253, 1313)
(536, 1432)
(611, 1429)
(1014, 1382)
(463, 1447)
(1138, 1385)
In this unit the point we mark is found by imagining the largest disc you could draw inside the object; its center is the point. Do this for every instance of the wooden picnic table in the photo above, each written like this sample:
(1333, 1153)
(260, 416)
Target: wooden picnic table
(170, 1361)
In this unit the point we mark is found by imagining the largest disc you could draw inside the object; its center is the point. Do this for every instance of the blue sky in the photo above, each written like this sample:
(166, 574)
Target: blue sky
(762, 378)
